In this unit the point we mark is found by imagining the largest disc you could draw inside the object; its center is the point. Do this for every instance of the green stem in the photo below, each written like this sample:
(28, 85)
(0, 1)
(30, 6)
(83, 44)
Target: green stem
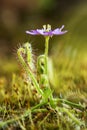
(46, 45)
(46, 53)
(46, 66)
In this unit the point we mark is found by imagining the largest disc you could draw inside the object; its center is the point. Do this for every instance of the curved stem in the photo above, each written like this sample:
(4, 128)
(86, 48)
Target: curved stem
(36, 85)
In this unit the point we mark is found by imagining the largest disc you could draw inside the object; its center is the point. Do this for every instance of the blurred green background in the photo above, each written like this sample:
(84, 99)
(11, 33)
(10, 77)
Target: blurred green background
(17, 16)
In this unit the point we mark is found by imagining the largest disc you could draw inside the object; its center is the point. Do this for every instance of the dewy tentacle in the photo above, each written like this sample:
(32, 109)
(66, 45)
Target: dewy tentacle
(20, 53)
(28, 55)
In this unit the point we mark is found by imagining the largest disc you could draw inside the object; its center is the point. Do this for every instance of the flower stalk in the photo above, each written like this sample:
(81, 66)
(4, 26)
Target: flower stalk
(46, 53)
(46, 45)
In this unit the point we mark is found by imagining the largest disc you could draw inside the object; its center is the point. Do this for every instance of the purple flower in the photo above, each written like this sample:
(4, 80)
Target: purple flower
(47, 31)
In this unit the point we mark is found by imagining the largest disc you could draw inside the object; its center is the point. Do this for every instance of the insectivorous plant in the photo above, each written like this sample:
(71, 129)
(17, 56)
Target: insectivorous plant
(42, 61)
(42, 66)
(40, 82)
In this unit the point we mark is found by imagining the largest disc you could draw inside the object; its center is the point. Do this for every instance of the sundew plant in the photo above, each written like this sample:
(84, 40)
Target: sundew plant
(33, 105)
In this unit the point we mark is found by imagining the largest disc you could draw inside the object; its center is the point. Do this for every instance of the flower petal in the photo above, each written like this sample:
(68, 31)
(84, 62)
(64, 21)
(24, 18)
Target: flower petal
(58, 31)
(62, 27)
(32, 32)
(42, 32)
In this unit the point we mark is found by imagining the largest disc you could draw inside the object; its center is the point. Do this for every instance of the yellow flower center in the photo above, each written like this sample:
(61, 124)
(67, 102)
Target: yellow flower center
(47, 28)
